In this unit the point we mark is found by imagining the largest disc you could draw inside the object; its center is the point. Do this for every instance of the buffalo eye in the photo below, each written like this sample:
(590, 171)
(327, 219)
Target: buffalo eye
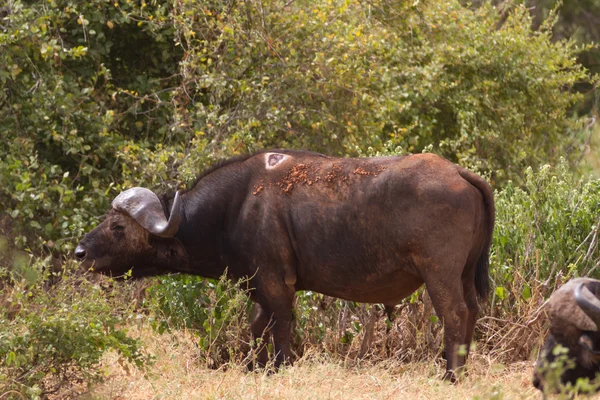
(117, 228)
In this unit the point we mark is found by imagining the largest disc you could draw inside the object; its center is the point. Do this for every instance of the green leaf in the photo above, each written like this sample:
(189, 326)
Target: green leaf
(500, 292)
(526, 293)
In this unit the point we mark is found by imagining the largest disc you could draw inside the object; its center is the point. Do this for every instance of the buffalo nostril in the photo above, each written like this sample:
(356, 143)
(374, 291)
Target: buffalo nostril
(80, 252)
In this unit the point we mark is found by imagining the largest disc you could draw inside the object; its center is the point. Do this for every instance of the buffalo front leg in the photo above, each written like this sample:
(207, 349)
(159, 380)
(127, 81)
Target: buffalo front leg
(278, 304)
(281, 339)
(273, 318)
(449, 304)
(261, 324)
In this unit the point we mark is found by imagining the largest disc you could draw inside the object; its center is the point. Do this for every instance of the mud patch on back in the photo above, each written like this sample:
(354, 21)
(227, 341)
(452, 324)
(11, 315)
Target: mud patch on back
(364, 172)
(307, 175)
(272, 160)
(298, 174)
(259, 188)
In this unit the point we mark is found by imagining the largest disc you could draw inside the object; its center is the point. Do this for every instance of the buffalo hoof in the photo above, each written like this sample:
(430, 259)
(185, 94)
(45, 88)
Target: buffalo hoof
(256, 365)
(450, 376)
(262, 369)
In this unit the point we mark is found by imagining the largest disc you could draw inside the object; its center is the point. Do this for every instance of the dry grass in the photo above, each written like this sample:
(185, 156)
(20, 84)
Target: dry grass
(178, 374)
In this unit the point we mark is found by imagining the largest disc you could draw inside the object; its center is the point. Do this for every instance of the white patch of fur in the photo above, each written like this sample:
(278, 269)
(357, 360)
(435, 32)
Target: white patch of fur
(272, 160)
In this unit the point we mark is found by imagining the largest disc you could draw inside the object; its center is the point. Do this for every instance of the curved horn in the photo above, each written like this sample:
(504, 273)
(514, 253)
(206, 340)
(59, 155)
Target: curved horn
(144, 207)
(583, 297)
(174, 218)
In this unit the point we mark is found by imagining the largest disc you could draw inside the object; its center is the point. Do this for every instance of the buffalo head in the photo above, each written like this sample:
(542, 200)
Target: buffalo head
(574, 313)
(136, 236)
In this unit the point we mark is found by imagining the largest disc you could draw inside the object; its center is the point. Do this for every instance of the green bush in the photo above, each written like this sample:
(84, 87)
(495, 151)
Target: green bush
(544, 230)
(98, 96)
(81, 82)
(217, 311)
(546, 233)
(343, 76)
(52, 337)
(577, 21)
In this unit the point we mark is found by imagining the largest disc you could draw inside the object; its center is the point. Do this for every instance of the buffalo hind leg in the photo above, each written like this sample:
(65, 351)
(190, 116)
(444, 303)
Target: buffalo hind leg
(450, 306)
(260, 326)
(473, 307)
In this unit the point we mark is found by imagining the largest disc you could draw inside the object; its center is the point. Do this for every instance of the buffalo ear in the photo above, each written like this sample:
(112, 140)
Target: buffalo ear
(590, 356)
(586, 342)
(171, 252)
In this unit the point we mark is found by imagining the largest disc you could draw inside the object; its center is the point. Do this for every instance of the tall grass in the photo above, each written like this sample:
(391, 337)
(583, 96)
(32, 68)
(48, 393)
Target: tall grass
(177, 374)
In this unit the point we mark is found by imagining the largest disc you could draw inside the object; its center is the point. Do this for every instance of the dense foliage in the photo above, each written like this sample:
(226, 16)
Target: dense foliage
(54, 337)
(217, 310)
(580, 21)
(549, 226)
(102, 95)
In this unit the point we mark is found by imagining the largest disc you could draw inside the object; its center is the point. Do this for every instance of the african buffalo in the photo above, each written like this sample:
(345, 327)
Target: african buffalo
(370, 230)
(574, 314)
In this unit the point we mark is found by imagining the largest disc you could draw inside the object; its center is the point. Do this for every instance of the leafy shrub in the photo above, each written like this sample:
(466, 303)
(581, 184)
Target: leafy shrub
(216, 310)
(54, 337)
(97, 96)
(576, 21)
(340, 76)
(72, 100)
(546, 233)
(547, 228)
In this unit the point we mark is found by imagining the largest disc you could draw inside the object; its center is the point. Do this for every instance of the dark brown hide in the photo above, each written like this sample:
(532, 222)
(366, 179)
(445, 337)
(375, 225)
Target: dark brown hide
(368, 229)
